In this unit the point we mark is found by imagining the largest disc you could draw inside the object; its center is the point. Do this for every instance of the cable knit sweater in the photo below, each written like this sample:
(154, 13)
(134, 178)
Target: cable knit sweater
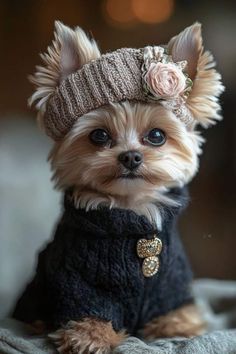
(91, 268)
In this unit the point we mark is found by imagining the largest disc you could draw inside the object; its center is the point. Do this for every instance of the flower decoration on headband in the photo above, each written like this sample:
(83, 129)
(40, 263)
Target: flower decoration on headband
(163, 79)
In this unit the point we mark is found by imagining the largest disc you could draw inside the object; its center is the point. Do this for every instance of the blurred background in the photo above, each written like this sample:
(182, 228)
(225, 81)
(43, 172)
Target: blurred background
(29, 207)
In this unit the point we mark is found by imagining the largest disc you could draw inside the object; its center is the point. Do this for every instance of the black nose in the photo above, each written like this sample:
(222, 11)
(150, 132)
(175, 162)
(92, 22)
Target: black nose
(131, 159)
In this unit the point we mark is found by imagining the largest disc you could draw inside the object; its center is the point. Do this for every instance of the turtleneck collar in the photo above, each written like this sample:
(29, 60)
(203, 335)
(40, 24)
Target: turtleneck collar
(106, 222)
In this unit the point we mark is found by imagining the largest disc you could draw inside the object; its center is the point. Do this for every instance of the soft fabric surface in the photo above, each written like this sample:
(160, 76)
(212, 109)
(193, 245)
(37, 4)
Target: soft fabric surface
(218, 342)
(217, 299)
(15, 339)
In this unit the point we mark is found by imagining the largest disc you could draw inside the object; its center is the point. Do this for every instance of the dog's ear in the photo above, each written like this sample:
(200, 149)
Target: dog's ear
(207, 86)
(70, 50)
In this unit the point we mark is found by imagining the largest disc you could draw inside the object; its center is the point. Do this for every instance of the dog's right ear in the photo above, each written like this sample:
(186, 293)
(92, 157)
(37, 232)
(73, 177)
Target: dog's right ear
(203, 100)
(70, 50)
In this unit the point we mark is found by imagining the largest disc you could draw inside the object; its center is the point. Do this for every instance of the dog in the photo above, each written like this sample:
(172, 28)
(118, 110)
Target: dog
(126, 144)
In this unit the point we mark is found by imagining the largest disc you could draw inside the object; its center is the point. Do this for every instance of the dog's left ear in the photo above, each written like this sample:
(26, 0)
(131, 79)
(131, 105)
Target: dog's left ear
(69, 51)
(207, 85)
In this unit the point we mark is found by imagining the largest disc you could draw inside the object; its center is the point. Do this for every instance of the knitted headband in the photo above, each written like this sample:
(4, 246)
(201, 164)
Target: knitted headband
(145, 75)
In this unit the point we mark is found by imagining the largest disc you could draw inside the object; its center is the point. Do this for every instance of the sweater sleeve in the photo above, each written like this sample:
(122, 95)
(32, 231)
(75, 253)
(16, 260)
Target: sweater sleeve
(73, 298)
(72, 289)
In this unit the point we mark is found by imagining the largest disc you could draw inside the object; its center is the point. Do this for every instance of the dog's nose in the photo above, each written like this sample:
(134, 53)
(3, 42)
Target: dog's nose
(131, 159)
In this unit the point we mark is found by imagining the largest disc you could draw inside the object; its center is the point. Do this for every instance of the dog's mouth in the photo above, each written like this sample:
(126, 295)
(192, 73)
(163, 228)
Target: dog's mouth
(130, 175)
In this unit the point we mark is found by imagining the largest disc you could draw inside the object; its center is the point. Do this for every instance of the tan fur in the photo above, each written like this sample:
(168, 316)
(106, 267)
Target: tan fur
(87, 336)
(203, 100)
(183, 322)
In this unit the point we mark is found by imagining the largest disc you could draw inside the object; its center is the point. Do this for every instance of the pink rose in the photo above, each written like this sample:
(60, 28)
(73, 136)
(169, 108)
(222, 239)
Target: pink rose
(165, 80)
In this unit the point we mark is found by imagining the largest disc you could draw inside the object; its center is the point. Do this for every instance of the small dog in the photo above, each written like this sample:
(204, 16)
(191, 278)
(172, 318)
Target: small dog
(124, 126)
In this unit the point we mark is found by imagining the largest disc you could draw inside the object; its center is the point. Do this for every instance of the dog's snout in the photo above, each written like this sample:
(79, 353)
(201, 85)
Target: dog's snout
(131, 159)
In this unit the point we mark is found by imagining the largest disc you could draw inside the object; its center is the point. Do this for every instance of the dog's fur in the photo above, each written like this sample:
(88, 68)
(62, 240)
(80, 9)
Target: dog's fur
(95, 173)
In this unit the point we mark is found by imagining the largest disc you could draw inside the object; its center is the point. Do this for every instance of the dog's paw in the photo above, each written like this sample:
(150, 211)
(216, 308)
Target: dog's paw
(183, 322)
(89, 336)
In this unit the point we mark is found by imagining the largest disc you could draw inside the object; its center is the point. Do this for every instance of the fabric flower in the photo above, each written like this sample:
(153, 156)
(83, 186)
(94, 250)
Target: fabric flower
(165, 80)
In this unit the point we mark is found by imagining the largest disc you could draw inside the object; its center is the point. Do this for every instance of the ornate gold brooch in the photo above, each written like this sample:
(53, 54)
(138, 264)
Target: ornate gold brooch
(149, 249)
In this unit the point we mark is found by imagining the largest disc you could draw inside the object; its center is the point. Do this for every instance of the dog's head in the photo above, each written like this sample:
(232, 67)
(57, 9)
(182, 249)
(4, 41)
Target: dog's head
(129, 151)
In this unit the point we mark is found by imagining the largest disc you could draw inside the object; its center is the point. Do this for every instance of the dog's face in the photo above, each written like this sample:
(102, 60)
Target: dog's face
(125, 149)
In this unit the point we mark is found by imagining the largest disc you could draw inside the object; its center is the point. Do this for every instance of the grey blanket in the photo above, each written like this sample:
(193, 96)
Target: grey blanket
(217, 299)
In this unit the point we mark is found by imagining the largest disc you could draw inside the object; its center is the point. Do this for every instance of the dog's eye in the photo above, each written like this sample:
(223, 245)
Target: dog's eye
(155, 137)
(99, 137)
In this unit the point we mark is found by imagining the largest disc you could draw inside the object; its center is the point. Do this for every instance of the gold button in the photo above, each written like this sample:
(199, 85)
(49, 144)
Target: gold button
(149, 248)
(150, 266)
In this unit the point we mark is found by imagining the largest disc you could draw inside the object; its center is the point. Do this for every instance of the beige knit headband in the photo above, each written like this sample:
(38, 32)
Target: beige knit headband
(145, 75)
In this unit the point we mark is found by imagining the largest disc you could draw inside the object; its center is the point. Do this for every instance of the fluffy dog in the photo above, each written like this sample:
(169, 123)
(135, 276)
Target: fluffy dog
(124, 126)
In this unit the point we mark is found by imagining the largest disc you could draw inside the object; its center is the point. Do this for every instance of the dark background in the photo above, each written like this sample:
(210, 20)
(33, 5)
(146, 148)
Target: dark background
(26, 28)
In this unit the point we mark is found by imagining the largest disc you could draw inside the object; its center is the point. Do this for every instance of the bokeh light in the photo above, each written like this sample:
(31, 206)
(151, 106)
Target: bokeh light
(119, 11)
(152, 11)
(131, 12)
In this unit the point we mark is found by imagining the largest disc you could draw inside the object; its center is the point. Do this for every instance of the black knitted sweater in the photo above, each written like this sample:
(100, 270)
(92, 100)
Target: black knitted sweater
(91, 268)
